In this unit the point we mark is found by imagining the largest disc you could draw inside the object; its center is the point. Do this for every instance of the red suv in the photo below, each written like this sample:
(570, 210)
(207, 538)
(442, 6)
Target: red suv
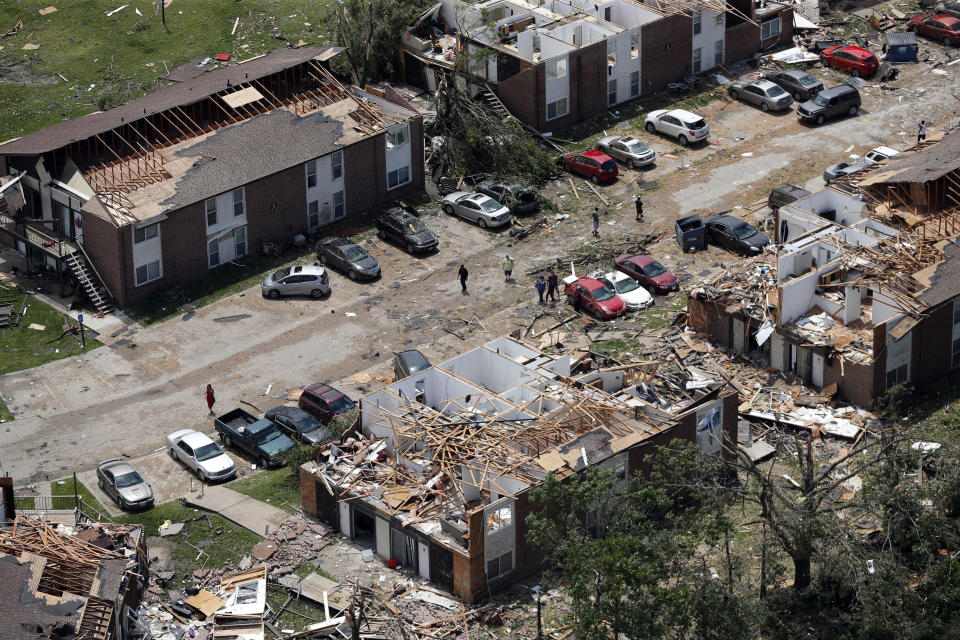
(857, 60)
(594, 297)
(596, 165)
(942, 27)
(324, 402)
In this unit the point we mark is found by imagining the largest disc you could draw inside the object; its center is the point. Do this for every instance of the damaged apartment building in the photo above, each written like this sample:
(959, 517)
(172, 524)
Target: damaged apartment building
(554, 63)
(438, 473)
(863, 292)
(165, 188)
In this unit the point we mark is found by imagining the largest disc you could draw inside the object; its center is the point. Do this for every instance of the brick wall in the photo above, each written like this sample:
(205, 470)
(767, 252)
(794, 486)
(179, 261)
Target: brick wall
(710, 317)
(666, 52)
(470, 573)
(741, 42)
(932, 346)
(276, 207)
(101, 241)
(522, 95)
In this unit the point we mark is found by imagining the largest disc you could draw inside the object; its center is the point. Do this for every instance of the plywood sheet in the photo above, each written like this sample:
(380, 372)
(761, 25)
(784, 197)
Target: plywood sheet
(242, 97)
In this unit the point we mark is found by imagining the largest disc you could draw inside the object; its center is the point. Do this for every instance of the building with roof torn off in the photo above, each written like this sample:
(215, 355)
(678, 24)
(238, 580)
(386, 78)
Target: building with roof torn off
(863, 292)
(554, 64)
(162, 189)
(82, 582)
(439, 475)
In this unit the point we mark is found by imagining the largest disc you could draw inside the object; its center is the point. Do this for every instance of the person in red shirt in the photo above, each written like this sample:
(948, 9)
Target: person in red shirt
(208, 394)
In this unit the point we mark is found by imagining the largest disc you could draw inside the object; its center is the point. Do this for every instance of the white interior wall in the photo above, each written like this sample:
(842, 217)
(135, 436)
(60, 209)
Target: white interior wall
(797, 297)
(625, 65)
(882, 308)
(851, 304)
(525, 44)
(898, 351)
(827, 305)
(496, 543)
(627, 14)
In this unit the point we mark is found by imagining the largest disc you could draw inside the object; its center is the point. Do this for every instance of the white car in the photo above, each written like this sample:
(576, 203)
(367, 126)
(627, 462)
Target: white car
(681, 124)
(878, 155)
(630, 291)
(476, 207)
(201, 455)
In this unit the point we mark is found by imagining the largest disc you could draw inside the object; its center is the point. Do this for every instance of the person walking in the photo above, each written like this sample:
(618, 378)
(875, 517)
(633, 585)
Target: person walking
(208, 395)
(507, 268)
(541, 286)
(553, 288)
(462, 274)
(638, 202)
(596, 221)
(922, 133)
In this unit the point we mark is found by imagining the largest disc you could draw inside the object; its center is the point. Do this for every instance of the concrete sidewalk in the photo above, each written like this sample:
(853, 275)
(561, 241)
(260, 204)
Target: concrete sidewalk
(259, 517)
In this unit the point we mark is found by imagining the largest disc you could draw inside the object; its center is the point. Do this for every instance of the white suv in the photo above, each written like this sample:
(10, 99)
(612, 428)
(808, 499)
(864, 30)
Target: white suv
(878, 155)
(681, 124)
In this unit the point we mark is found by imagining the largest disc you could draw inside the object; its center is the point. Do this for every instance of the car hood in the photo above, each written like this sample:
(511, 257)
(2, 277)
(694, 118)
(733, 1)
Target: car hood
(366, 264)
(613, 304)
(424, 237)
(277, 445)
(664, 279)
(217, 465)
(137, 492)
(759, 240)
(315, 437)
(637, 297)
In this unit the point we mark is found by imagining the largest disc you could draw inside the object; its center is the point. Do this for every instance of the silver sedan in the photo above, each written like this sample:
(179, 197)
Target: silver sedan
(763, 93)
(124, 485)
(483, 210)
(628, 150)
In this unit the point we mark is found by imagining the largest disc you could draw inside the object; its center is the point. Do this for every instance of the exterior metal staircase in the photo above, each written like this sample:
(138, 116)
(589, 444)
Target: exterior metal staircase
(91, 284)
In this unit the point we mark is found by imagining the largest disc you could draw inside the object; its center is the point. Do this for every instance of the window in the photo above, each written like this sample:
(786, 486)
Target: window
(211, 208)
(557, 68)
(311, 174)
(145, 233)
(339, 210)
(499, 519)
(612, 92)
(238, 202)
(901, 374)
(398, 137)
(398, 177)
(148, 272)
(634, 84)
(634, 46)
(313, 214)
(336, 162)
(956, 311)
(557, 109)
(240, 242)
(612, 52)
(499, 566)
(697, 18)
(718, 53)
(697, 55)
(606, 14)
(956, 354)
(718, 19)
(213, 253)
(770, 28)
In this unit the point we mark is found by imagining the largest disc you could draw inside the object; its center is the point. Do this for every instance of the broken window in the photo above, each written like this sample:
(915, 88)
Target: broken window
(499, 519)
(634, 46)
(398, 137)
(770, 28)
(697, 17)
(718, 20)
(336, 162)
(612, 52)
(311, 174)
(557, 68)
(710, 428)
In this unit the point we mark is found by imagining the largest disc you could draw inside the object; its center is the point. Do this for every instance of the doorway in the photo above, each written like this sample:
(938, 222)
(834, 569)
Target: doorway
(364, 529)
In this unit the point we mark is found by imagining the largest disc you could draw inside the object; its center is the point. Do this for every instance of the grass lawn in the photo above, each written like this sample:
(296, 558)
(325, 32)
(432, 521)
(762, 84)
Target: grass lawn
(66, 489)
(273, 486)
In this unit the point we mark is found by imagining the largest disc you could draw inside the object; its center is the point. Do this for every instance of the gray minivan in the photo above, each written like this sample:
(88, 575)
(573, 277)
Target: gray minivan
(830, 103)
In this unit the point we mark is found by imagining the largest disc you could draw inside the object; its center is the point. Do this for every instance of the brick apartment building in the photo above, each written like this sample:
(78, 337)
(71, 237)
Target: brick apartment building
(554, 64)
(161, 190)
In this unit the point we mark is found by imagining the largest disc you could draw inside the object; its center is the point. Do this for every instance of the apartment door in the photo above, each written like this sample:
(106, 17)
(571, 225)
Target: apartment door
(816, 374)
(738, 331)
(403, 548)
(424, 558)
(344, 518)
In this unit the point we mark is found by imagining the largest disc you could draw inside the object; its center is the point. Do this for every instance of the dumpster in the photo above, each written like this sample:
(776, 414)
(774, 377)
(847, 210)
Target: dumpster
(691, 233)
(901, 46)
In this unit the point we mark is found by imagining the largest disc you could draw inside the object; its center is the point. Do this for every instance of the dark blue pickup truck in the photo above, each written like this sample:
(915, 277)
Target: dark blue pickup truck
(258, 437)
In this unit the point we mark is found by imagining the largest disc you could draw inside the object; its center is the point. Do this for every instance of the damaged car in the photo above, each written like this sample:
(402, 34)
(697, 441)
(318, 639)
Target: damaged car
(800, 84)
(408, 231)
(841, 169)
(735, 234)
(521, 199)
(762, 93)
(348, 257)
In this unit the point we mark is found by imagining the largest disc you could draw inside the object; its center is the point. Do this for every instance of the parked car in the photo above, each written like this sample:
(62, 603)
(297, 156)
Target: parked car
(349, 258)
(800, 84)
(763, 93)
(201, 455)
(298, 425)
(258, 437)
(476, 207)
(648, 272)
(300, 280)
(830, 103)
(628, 150)
(521, 199)
(879, 155)
(857, 60)
(406, 230)
(324, 402)
(629, 290)
(407, 363)
(593, 297)
(735, 234)
(943, 27)
(593, 164)
(681, 124)
(841, 169)
(119, 480)
(785, 194)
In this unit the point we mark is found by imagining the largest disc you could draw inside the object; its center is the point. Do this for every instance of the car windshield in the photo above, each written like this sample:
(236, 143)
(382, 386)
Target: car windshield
(128, 480)
(354, 253)
(773, 92)
(808, 80)
(208, 451)
(820, 100)
(626, 285)
(266, 435)
(870, 59)
(744, 231)
(489, 205)
(283, 273)
(637, 147)
(654, 269)
(415, 226)
(308, 424)
(342, 404)
(609, 165)
(698, 124)
(601, 294)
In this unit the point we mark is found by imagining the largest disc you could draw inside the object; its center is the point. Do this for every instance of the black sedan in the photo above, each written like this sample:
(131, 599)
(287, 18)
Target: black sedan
(349, 258)
(299, 425)
(800, 84)
(735, 234)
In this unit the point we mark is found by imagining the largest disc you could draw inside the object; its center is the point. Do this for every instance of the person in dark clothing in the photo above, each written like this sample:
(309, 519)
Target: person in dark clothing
(596, 221)
(541, 286)
(462, 274)
(638, 202)
(553, 288)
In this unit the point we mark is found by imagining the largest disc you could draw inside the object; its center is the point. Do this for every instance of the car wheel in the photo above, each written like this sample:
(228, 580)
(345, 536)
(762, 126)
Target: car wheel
(121, 504)
(410, 248)
(316, 294)
(764, 107)
(274, 294)
(852, 110)
(682, 140)
(323, 259)
(947, 42)
(448, 209)
(382, 235)
(172, 454)
(482, 223)
(594, 179)
(631, 164)
(734, 94)
(200, 476)
(353, 274)
(596, 314)
(227, 442)
(798, 97)
(650, 127)
(820, 119)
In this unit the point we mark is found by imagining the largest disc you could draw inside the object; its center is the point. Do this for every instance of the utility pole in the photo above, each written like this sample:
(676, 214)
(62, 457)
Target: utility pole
(83, 336)
(537, 595)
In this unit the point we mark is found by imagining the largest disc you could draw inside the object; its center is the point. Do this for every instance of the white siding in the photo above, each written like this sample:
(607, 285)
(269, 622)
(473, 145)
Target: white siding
(146, 252)
(625, 65)
(383, 538)
(557, 88)
(399, 156)
(710, 33)
(326, 187)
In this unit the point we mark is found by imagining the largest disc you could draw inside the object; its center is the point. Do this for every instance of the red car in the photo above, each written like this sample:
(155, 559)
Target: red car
(648, 272)
(942, 27)
(324, 402)
(594, 297)
(857, 60)
(596, 165)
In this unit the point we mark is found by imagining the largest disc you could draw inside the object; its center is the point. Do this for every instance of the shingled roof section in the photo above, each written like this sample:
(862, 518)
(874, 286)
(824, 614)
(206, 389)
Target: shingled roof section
(189, 92)
(924, 165)
(945, 281)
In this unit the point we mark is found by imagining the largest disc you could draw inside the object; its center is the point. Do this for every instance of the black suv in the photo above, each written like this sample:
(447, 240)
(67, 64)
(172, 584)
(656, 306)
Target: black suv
(785, 194)
(399, 226)
(519, 198)
(830, 103)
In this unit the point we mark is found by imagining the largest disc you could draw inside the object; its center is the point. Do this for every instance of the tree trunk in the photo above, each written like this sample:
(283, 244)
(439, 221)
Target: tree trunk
(801, 572)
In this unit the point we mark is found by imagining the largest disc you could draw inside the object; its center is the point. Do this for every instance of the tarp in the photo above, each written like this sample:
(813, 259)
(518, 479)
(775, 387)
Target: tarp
(794, 55)
(801, 22)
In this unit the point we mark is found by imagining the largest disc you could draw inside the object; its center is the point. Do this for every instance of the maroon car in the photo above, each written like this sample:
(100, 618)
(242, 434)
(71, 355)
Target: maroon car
(648, 272)
(857, 60)
(595, 165)
(324, 402)
(942, 27)
(594, 297)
